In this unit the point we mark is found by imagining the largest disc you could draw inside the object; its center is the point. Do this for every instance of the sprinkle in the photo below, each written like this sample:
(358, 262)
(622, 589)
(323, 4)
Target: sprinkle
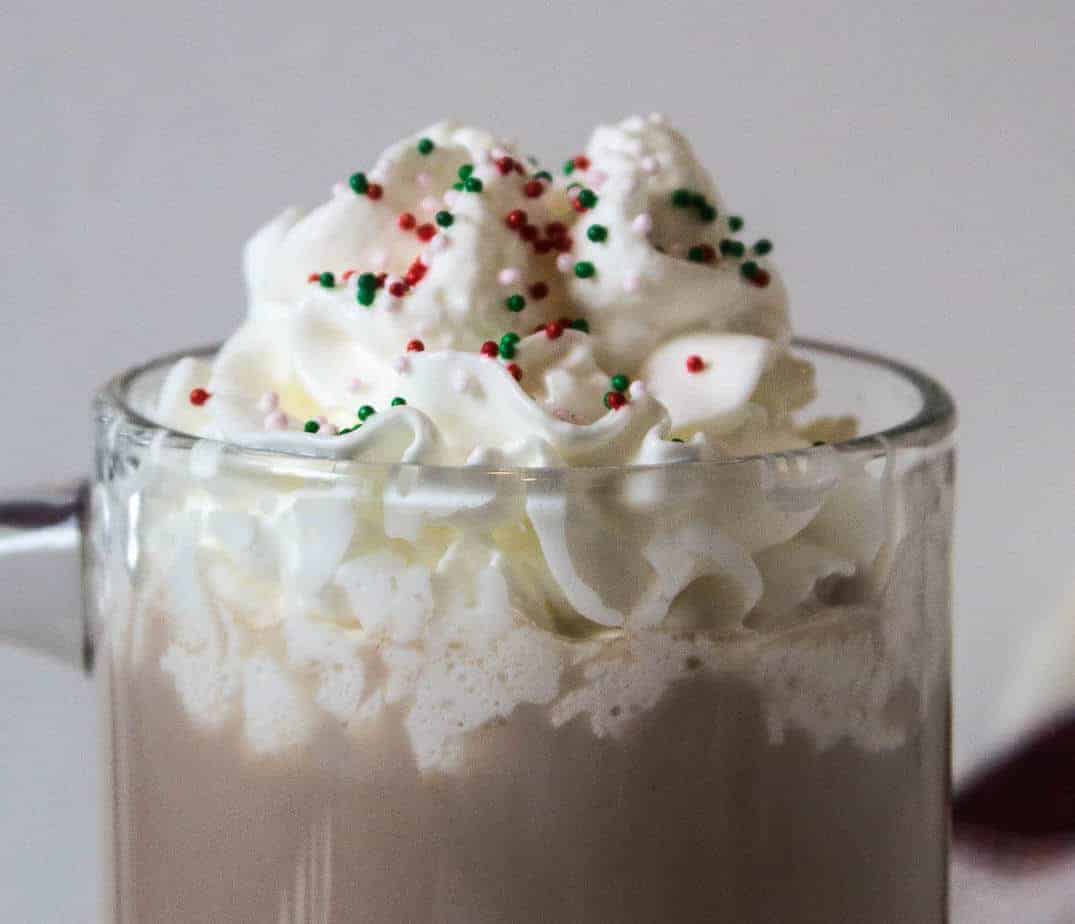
(445, 219)
(504, 164)
(379, 258)
(587, 198)
(490, 349)
(553, 330)
(460, 380)
(406, 221)
(425, 146)
(543, 175)
(516, 372)
(425, 232)
(473, 185)
(584, 269)
(632, 283)
(375, 191)
(365, 297)
(397, 288)
(642, 224)
(528, 232)
(580, 324)
(533, 188)
(542, 245)
(701, 253)
(268, 402)
(367, 281)
(277, 420)
(569, 167)
(735, 222)
(762, 247)
(507, 349)
(619, 382)
(614, 400)
(695, 364)
(510, 337)
(649, 164)
(637, 391)
(731, 248)
(597, 233)
(761, 278)
(515, 302)
(508, 276)
(749, 269)
(402, 365)
(582, 162)
(366, 411)
(564, 263)
(681, 198)
(424, 180)
(198, 396)
(450, 198)
(311, 426)
(429, 204)
(359, 183)
(327, 280)
(538, 291)
(515, 219)
(355, 385)
(314, 277)
(415, 346)
(398, 402)
(465, 171)
(338, 189)
(556, 229)
(598, 178)
(707, 213)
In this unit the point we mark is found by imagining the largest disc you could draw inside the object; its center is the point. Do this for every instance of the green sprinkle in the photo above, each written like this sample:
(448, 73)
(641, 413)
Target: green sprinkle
(515, 302)
(465, 171)
(587, 198)
(425, 146)
(445, 219)
(569, 167)
(365, 296)
(311, 426)
(510, 337)
(676, 439)
(345, 431)
(580, 324)
(697, 200)
(398, 402)
(696, 254)
(619, 382)
(681, 198)
(543, 175)
(731, 248)
(735, 222)
(507, 350)
(366, 411)
(327, 280)
(763, 247)
(707, 213)
(584, 269)
(749, 269)
(359, 183)
(367, 281)
(597, 233)
(458, 187)
(473, 184)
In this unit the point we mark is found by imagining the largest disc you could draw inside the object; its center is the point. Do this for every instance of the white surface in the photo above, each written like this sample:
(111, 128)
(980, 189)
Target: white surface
(913, 163)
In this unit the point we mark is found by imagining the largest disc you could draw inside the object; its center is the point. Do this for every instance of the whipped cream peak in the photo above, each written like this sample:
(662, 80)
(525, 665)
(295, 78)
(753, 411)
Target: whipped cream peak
(455, 299)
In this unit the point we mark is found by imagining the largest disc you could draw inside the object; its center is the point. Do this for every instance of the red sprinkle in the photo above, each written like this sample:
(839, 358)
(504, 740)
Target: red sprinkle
(761, 278)
(577, 206)
(516, 372)
(553, 330)
(381, 277)
(199, 396)
(398, 289)
(539, 328)
(555, 229)
(314, 277)
(542, 245)
(415, 346)
(564, 322)
(528, 232)
(515, 219)
(614, 400)
(346, 276)
(504, 165)
(426, 232)
(582, 162)
(695, 364)
(490, 349)
(407, 221)
(533, 188)
(563, 243)
(375, 191)
(538, 291)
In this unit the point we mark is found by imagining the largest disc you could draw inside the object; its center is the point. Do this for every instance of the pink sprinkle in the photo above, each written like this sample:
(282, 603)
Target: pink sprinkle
(631, 283)
(355, 385)
(424, 180)
(268, 402)
(642, 223)
(597, 178)
(565, 263)
(649, 164)
(430, 204)
(402, 365)
(277, 420)
(508, 276)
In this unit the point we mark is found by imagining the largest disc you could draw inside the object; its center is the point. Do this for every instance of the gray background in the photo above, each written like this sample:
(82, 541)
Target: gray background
(914, 164)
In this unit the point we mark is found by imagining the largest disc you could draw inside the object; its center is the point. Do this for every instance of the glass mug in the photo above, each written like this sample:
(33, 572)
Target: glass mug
(341, 691)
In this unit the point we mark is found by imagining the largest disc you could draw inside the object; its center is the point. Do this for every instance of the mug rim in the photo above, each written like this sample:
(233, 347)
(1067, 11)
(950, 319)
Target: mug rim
(934, 421)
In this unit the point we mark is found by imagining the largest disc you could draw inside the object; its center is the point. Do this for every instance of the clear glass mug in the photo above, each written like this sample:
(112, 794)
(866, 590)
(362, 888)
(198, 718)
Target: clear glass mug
(391, 693)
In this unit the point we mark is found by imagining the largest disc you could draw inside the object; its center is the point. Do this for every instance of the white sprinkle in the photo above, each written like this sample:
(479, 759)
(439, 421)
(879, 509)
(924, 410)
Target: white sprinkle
(402, 365)
(642, 224)
(498, 153)
(460, 380)
(440, 243)
(637, 390)
(268, 402)
(597, 178)
(376, 176)
(429, 204)
(424, 180)
(649, 164)
(631, 283)
(277, 420)
(508, 276)
(450, 197)
(656, 118)
(564, 262)
(339, 189)
(378, 258)
(354, 386)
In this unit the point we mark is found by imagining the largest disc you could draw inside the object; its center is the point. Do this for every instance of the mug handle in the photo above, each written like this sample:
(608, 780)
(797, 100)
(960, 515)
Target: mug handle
(41, 538)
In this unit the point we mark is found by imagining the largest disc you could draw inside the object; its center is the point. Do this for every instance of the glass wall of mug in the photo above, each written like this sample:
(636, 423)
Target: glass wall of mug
(344, 691)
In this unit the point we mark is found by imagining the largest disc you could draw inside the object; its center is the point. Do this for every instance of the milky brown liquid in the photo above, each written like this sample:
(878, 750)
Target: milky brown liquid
(695, 814)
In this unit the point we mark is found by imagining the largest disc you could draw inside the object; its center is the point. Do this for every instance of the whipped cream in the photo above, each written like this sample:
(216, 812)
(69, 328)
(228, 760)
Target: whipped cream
(456, 300)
